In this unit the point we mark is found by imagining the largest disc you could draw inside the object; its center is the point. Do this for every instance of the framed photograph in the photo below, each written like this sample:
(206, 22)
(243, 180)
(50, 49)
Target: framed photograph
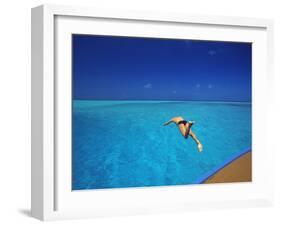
(137, 112)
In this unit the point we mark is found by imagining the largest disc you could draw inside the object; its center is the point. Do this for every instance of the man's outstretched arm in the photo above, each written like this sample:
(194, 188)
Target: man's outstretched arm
(169, 122)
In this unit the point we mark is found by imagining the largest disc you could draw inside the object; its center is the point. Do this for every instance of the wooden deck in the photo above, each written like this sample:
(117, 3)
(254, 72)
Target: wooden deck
(240, 170)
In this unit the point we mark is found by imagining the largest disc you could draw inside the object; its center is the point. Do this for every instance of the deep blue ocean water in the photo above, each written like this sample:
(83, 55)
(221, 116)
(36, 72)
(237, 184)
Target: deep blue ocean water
(120, 144)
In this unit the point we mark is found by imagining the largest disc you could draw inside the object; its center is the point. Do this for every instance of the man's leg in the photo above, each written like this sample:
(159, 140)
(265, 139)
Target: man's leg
(199, 145)
(187, 129)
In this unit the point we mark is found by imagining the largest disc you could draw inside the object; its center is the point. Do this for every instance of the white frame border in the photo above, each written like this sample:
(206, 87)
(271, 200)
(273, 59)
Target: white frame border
(43, 87)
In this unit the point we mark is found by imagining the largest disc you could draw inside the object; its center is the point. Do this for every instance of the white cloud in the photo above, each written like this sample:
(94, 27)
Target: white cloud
(212, 52)
(148, 86)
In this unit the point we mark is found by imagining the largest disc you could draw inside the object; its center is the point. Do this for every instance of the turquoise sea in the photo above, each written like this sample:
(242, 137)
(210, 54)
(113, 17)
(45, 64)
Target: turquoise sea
(119, 144)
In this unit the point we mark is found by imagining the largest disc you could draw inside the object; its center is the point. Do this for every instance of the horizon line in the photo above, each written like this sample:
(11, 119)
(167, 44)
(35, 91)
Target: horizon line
(247, 101)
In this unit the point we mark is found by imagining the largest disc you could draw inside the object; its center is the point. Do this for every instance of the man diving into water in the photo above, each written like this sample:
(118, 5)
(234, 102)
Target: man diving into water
(185, 129)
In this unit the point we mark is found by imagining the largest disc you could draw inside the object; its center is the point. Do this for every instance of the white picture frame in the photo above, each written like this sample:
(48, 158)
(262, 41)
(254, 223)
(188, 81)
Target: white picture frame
(52, 197)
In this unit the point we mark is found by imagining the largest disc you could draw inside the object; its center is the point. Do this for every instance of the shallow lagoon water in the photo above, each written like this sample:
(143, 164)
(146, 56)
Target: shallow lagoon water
(119, 144)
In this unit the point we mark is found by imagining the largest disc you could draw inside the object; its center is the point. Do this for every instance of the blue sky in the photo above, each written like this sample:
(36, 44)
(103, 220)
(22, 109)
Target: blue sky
(126, 68)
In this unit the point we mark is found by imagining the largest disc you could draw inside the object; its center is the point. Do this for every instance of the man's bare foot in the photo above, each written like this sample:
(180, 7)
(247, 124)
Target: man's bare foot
(200, 147)
(191, 122)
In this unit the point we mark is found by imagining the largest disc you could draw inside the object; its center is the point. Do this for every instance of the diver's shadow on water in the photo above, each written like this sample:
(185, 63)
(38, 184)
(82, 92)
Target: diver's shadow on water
(25, 212)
